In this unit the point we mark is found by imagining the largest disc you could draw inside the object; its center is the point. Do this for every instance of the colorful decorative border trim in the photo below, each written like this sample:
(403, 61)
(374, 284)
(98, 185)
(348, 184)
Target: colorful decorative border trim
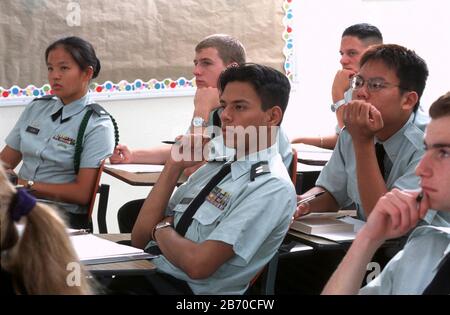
(139, 87)
(107, 87)
(288, 36)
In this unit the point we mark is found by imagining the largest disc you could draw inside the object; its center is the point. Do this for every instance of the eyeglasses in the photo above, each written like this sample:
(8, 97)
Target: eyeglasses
(373, 85)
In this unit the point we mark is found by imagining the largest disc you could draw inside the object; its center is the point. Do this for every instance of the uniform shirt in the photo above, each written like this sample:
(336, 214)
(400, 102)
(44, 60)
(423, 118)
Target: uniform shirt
(404, 150)
(437, 218)
(48, 147)
(251, 216)
(413, 268)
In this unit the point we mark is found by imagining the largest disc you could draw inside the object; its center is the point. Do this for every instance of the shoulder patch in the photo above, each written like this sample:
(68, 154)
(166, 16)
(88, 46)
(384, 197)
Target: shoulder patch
(99, 110)
(45, 97)
(259, 169)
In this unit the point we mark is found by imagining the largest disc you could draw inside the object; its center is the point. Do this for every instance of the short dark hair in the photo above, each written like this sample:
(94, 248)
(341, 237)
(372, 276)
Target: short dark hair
(271, 85)
(411, 70)
(81, 51)
(441, 107)
(365, 32)
(229, 48)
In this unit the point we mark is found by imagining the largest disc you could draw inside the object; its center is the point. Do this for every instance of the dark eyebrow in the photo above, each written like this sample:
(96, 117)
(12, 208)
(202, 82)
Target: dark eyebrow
(59, 63)
(373, 78)
(437, 145)
(241, 101)
(203, 59)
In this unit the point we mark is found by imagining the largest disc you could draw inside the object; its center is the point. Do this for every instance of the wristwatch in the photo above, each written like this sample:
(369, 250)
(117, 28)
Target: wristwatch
(335, 106)
(30, 184)
(198, 121)
(160, 225)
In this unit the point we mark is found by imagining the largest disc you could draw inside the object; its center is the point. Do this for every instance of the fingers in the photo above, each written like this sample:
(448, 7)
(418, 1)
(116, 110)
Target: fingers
(302, 209)
(403, 209)
(376, 119)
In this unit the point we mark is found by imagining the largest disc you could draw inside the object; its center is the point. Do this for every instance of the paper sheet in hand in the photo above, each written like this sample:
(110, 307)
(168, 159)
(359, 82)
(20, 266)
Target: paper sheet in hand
(95, 250)
(137, 168)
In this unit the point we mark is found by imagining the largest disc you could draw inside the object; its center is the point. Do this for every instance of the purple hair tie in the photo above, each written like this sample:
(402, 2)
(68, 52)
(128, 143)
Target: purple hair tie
(21, 204)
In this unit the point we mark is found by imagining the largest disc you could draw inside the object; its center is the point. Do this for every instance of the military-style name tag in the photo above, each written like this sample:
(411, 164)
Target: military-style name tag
(32, 130)
(64, 139)
(219, 198)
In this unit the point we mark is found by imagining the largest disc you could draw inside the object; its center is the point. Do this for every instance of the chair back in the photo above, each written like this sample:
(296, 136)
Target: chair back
(103, 191)
(264, 281)
(293, 167)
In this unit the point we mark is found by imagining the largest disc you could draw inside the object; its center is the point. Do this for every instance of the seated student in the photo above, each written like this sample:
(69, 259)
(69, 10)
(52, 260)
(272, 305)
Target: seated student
(36, 260)
(60, 164)
(214, 240)
(213, 55)
(384, 110)
(423, 266)
(355, 40)
(381, 143)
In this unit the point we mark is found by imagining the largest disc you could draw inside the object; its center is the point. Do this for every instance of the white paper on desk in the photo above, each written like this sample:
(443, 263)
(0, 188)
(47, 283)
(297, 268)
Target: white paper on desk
(137, 168)
(301, 147)
(92, 249)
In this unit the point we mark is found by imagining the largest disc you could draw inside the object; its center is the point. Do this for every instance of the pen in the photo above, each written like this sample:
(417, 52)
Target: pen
(419, 199)
(79, 232)
(168, 142)
(309, 198)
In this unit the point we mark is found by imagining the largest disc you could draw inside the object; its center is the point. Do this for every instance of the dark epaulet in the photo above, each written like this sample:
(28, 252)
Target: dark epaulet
(258, 169)
(98, 109)
(45, 97)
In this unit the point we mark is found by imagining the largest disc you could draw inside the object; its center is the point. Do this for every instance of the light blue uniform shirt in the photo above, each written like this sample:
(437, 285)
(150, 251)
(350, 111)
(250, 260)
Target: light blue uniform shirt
(414, 267)
(48, 147)
(403, 151)
(252, 216)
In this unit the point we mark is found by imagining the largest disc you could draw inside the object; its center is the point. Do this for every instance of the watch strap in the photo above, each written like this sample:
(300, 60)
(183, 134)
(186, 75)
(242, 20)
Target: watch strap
(335, 106)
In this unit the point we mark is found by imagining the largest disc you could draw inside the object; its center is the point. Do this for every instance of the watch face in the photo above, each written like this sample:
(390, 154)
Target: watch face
(198, 122)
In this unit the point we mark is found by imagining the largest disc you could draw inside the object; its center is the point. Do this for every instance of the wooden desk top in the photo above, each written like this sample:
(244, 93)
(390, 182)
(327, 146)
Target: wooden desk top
(137, 179)
(133, 267)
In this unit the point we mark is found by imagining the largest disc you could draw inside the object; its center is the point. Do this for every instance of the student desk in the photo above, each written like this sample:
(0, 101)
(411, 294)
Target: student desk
(133, 267)
(137, 179)
(311, 155)
(306, 177)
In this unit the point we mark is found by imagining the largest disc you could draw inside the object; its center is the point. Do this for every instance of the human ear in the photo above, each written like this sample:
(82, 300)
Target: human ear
(275, 114)
(409, 100)
(89, 72)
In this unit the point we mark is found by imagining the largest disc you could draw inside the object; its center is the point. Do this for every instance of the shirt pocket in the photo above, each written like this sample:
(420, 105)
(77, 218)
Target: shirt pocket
(207, 214)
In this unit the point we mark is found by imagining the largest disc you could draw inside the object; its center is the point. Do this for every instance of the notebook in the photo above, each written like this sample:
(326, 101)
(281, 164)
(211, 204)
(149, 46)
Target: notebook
(317, 225)
(95, 250)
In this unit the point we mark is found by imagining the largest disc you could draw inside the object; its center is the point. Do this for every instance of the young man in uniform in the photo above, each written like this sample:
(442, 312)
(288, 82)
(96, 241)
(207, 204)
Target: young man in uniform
(423, 266)
(223, 226)
(355, 40)
(383, 116)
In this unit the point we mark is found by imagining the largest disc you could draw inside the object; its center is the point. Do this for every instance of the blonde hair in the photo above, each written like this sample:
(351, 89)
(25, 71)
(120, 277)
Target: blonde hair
(39, 259)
